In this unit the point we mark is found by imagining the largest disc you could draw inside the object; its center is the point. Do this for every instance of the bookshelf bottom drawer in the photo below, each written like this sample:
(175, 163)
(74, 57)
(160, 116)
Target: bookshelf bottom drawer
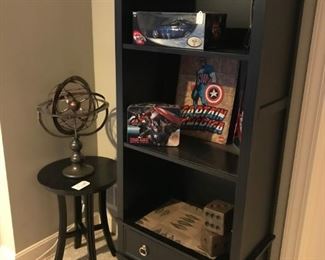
(139, 246)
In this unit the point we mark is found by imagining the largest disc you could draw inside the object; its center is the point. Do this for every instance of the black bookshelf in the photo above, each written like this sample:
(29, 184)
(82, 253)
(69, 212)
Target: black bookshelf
(198, 171)
(206, 157)
(234, 54)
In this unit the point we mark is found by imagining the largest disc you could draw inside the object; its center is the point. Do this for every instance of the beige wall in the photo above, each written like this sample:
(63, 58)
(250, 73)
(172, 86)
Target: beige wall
(42, 43)
(313, 232)
(104, 66)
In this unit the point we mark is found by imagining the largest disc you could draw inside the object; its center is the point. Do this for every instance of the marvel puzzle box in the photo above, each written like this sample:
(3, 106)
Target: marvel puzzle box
(153, 124)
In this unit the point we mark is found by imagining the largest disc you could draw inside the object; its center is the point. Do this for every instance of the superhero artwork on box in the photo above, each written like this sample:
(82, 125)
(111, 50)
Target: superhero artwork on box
(205, 92)
(153, 124)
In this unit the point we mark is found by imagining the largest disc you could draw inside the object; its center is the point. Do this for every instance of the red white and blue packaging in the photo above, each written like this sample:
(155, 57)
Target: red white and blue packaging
(153, 124)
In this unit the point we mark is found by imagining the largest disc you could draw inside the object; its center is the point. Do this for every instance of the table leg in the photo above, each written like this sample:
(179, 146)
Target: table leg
(103, 219)
(62, 228)
(77, 221)
(89, 205)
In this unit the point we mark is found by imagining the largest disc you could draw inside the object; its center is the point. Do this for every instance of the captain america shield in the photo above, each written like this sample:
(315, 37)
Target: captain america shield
(214, 94)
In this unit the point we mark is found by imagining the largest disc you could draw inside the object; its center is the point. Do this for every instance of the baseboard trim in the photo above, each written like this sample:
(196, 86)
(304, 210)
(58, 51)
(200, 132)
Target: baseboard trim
(41, 247)
(45, 246)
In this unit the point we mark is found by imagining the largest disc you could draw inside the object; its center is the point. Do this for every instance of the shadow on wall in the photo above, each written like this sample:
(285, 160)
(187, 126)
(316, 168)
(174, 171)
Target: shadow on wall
(110, 127)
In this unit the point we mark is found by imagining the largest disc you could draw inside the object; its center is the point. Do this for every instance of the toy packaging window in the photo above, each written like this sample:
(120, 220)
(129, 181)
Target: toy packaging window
(180, 30)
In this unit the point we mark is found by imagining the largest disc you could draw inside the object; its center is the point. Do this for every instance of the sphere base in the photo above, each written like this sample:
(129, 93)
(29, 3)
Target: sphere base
(76, 170)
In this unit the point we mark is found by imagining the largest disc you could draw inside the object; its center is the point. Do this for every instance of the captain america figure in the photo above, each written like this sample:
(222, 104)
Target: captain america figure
(204, 76)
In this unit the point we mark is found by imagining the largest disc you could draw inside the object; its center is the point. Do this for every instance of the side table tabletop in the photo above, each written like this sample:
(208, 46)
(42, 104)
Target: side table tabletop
(104, 176)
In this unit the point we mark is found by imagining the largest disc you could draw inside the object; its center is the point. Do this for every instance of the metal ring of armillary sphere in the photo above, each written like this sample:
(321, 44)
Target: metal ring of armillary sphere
(71, 111)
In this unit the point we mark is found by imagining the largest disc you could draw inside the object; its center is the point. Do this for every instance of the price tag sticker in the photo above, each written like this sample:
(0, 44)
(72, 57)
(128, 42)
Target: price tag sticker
(199, 17)
(80, 185)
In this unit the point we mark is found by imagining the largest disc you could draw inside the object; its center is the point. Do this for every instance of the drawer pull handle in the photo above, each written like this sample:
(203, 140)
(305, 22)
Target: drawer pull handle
(143, 250)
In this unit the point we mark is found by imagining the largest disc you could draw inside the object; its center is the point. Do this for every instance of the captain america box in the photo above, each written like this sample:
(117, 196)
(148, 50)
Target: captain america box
(206, 93)
(181, 30)
(153, 124)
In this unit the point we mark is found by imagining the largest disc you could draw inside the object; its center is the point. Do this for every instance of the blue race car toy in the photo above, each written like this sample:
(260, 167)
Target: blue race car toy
(175, 29)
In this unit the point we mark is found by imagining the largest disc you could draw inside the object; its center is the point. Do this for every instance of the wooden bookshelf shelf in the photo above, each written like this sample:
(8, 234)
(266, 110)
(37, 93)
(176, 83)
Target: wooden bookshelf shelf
(217, 160)
(234, 54)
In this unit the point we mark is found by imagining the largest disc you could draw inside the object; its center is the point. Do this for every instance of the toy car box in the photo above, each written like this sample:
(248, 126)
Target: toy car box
(153, 124)
(182, 30)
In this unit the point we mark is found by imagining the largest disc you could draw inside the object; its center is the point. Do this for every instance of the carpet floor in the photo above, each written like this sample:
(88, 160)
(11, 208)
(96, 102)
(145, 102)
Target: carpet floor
(70, 253)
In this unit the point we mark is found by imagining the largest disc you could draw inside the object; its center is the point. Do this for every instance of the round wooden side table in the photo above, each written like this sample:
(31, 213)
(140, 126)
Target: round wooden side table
(104, 176)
